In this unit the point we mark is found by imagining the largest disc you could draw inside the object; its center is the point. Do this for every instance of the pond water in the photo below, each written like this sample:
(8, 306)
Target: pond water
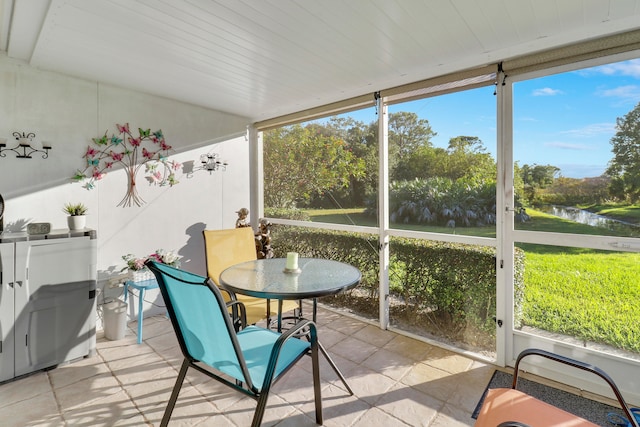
(585, 217)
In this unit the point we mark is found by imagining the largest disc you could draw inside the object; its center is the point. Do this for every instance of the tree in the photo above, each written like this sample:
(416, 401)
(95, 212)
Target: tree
(424, 162)
(407, 134)
(362, 141)
(624, 168)
(300, 162)
(535, 178)
(466, 144)
(468, 158)
(518, 186)
(575, 191)
(539, 176)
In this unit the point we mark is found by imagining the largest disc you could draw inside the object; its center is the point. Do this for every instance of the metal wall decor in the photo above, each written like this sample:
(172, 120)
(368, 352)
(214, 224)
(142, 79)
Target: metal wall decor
(211, 162)
(24, 148)
(132, 152)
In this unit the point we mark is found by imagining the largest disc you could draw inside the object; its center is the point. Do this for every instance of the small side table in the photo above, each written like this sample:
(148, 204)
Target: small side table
(141, 287)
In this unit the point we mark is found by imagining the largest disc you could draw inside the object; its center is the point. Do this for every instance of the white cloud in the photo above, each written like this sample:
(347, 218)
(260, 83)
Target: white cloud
(547, 91)
(572, 170)
(568, 146)
(625, 92)
(627, 68)
(592, 130)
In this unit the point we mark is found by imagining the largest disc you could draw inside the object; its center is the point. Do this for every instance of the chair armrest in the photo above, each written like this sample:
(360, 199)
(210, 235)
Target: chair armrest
(275, 351)
(239, 320)
(231, 294)
(298, 327)
(580, 365)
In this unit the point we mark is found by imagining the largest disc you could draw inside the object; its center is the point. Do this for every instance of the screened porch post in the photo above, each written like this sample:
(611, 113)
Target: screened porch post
(256, 175)
(504, 221)
(383, 210)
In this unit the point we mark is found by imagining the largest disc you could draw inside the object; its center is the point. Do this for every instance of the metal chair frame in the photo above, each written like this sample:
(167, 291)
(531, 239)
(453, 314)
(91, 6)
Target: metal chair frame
(244, 382)
(580, 365)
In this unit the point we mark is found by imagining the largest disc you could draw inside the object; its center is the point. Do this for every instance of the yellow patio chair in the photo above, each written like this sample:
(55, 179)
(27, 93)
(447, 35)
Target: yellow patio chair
(224, 248)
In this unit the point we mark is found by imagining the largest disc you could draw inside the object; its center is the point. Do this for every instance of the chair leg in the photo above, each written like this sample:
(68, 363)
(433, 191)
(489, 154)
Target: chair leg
(259, 414)
(268, 314)
(315, 363)
(174, 393)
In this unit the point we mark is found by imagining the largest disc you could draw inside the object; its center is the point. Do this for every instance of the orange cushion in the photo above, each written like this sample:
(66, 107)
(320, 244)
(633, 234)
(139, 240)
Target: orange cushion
(505, 404)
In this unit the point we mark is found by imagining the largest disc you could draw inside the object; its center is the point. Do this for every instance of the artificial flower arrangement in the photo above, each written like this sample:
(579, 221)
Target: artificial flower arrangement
(166, 257)
(131, 152)
(138, 271)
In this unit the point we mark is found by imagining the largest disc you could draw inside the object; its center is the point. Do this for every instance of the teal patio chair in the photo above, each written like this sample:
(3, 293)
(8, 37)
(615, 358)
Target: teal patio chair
(250, 360)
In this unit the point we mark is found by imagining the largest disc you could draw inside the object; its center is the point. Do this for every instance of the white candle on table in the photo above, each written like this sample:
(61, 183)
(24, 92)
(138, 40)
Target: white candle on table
(292, 260)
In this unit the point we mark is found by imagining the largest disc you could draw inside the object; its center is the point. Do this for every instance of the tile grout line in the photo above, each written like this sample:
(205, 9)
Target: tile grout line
(124, 390)
(55, 397)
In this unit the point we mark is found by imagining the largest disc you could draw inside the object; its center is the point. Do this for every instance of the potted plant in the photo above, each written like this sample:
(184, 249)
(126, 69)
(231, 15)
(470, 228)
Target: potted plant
(138, 272)
(76, 219)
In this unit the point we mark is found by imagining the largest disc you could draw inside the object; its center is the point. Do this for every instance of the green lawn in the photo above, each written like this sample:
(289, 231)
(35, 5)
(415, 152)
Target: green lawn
(354, 216)
(588, 294)
(591, 295)
(358, 217)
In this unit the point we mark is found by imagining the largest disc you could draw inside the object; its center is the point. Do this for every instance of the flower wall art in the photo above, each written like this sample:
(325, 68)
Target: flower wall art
(148, 149)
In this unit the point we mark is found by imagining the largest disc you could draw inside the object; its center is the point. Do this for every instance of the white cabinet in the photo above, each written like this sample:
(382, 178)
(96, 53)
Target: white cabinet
(47, 302)
(7, 314)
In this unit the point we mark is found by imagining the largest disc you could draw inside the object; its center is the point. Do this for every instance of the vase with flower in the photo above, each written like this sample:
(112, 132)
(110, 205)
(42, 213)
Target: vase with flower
(138, 272)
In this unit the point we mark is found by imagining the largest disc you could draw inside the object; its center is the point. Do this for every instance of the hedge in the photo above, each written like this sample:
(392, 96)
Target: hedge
(455, 283)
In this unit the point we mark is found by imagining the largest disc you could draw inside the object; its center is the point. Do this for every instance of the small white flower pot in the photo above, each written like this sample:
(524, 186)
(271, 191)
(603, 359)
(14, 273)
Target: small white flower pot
(77, 222)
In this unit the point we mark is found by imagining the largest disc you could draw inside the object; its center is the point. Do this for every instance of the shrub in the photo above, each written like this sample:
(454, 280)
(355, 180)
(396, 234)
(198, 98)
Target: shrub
(357, 249)
(288, 213)
(441, 201)
(456, 283)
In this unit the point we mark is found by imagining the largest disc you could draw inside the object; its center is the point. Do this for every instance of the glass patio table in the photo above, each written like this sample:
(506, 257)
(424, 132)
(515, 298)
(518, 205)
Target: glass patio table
(267, 278)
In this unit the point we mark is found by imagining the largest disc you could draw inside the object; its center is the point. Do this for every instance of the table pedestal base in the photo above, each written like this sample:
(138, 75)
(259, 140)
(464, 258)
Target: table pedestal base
(335, 368)
(320, 346)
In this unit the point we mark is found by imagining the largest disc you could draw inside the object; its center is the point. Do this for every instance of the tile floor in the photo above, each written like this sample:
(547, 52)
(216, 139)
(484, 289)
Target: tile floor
(398, 381)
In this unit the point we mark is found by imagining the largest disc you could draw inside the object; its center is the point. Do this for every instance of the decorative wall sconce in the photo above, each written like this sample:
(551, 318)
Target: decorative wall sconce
(211, 162)
(24, 149)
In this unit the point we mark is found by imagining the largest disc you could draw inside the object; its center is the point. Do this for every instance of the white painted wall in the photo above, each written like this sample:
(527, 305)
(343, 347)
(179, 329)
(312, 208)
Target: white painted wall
(68, 112)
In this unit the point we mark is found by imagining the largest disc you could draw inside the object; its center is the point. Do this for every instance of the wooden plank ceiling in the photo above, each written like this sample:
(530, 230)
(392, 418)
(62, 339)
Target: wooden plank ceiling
(265, 58)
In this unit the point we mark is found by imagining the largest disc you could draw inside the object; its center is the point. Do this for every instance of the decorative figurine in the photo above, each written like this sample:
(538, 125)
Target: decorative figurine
(263, 240)
(262, 235)
(242, 220)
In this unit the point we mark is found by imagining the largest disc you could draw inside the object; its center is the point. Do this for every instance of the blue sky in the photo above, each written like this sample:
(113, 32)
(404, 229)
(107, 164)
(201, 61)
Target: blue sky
(566, 120)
